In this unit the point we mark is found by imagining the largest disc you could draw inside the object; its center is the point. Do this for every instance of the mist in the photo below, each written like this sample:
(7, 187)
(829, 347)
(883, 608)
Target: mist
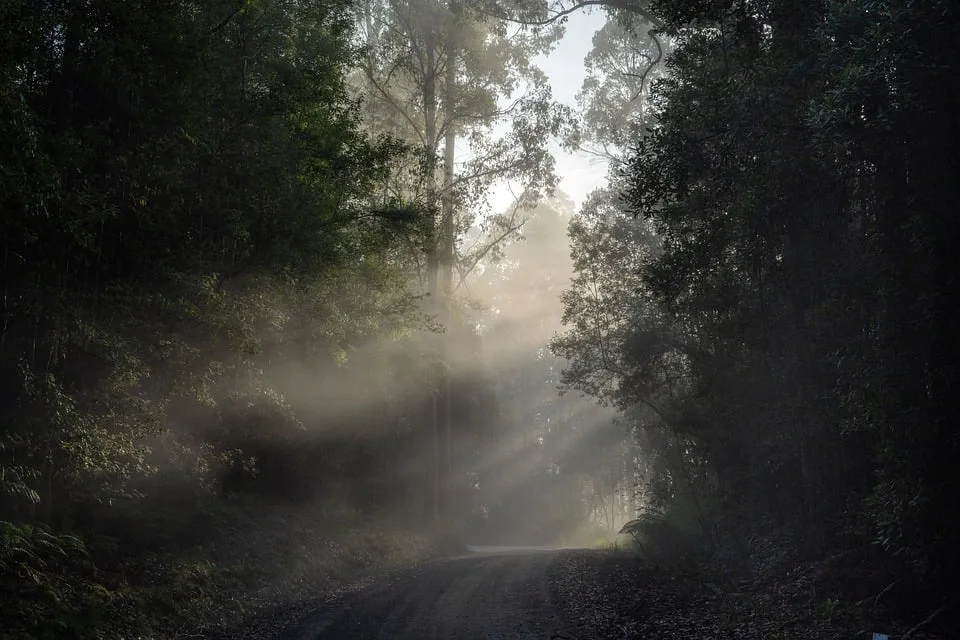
(527, 464)
(299, 294)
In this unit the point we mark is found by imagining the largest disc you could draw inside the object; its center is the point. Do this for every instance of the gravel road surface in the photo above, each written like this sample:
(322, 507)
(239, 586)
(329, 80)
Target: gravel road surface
(493, 593)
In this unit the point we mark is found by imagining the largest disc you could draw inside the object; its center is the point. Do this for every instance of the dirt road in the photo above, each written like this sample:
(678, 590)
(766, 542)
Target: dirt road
(491, 594)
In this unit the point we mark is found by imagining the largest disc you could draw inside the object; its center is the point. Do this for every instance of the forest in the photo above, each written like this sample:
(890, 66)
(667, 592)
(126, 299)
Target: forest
(292, 292)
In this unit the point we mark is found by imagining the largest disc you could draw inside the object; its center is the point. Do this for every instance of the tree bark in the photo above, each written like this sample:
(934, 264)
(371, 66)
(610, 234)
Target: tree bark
(433, 252)
(448, 244)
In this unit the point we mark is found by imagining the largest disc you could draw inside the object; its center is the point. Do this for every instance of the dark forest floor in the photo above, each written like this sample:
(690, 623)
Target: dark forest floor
(610, 595)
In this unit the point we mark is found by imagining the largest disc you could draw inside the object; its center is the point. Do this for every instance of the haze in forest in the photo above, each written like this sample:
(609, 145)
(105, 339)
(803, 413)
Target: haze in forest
(295, 289)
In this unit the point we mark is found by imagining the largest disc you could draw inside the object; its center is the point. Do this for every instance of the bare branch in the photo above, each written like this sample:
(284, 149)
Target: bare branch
(516, 223)
(386, 94)
(486, 173)
(653, 33)
(223, 23)
(631, 6)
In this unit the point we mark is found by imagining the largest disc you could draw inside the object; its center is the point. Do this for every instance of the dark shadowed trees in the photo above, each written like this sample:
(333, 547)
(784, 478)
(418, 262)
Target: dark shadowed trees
(185, 219)
(797, 183)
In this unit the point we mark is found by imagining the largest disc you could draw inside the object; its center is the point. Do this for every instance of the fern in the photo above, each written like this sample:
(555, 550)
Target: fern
(13, 479)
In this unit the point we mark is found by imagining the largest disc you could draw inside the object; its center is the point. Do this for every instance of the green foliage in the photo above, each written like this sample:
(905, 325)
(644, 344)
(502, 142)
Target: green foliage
(410, 93)
(154, 244)
(785, 343)
(625, 61)
(186, 209)
(209, 587)
(37, 565)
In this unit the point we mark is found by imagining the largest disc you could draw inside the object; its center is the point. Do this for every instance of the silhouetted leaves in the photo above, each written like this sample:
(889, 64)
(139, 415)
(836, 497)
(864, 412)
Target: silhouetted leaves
(787, 326)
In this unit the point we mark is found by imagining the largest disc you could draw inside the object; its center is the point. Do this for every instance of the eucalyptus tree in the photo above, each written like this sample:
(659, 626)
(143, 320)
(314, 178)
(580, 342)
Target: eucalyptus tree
(621, 68)
(440, 75)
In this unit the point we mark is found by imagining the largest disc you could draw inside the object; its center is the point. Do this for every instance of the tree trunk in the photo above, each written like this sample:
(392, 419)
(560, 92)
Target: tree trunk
(448, 245)
(433, 253)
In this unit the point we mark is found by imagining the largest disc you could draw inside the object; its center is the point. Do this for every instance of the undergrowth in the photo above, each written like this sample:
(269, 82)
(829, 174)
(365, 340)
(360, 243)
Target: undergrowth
(148, 587)
(620, 594)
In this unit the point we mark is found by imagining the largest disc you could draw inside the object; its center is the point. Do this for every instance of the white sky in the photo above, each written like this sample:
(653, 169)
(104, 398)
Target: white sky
(580, 173)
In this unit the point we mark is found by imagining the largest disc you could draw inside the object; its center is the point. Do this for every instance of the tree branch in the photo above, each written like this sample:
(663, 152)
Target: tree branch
(630, 6)
(389, 98)
(223, 23)
(515, 226)
(653, 33)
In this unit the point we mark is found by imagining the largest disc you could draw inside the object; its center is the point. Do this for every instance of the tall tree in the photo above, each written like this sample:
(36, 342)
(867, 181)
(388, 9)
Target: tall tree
(441, 74)
(621, 68)
(781, 176)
